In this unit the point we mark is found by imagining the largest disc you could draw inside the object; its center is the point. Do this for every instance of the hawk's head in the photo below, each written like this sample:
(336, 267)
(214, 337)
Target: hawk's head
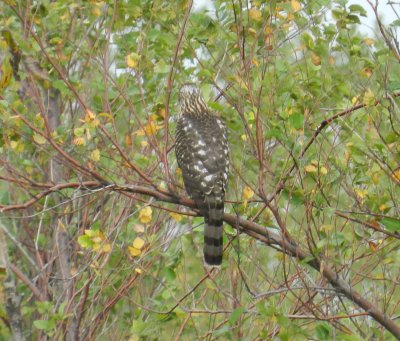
(191, 100)
(187, 91)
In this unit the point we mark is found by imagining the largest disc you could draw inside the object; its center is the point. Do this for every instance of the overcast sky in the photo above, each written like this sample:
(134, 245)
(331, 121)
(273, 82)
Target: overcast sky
(386, 12)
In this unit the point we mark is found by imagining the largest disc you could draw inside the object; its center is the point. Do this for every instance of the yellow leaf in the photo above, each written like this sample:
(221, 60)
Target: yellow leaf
(138, 243)
(176, 216)
(347, 155)
(369, 98)
(255, 62)
(321, 266)
(315, 59)
(162, 186)
(73, 271)
(3, 44)
(90, 116)
(14, 144)
(79, 141)
(91, 119)
(106, 247)
(361, 193)
(247, 194)
(97, 239)
(96, 11)
(94, 123)
(128, 140)
(268, 30)
(95, 155)
(134, 251)
(107, 116)
(310, 168)
(90, 233)
(375, 178)
(87, 132)
(289, 17)
(39, 120)
(252, 31)
(367, 72)
(139, 271)
(255, 14)
(161, 113)
(369, 41)
(244, 137)
(396, 174)
(145, 215)
(132, 60)
(21, 147)
(355, 100)
(382, 207)
(39, 139)
(323, 170)
(151, 128)
(296, 6)
(5, 74)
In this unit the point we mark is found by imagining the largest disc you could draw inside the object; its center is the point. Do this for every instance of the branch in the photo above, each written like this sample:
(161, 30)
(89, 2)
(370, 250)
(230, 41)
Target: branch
(276, 240)
(12, 303)
(383, 31)
(325, 123)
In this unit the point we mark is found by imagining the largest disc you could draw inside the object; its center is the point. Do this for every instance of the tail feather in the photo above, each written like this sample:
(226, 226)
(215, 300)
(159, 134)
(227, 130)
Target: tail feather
(213, 244)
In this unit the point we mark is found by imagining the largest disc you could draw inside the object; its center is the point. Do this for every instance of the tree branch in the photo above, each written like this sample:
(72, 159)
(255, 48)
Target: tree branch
(252, 229)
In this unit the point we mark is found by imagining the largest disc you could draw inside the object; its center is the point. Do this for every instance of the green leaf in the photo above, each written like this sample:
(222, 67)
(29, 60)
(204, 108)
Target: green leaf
(61, 86)
(296, 120)
(391, 224)
(39, 139)
(322, 332)
(307, 40)
(358, 9)
(44, 324)
(169, 274)
(236, 315)
(161, 67)
(44, 307)
(354, 19)
(221, 331)
(275, 132)
(336, 239)
(394, 85)
(137, 327)
(85, 241)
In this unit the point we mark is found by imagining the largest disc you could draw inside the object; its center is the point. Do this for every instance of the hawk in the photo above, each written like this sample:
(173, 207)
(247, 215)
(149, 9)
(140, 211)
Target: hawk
(202, 153)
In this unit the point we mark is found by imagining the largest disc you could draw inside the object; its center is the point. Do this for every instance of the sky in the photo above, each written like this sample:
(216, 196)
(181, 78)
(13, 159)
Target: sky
(385, 11)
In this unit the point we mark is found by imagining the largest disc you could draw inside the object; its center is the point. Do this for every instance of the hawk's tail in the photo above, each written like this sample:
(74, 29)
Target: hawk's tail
(213, 247)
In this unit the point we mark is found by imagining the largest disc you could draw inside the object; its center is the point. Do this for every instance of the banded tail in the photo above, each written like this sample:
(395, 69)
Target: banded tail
(213, 221)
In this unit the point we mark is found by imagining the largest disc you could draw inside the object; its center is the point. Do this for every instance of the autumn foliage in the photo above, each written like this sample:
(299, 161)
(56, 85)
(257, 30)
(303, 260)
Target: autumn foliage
(98, 239)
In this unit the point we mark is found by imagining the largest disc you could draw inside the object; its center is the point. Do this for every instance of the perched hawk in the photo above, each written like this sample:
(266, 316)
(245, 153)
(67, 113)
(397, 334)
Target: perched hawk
(202, 153)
